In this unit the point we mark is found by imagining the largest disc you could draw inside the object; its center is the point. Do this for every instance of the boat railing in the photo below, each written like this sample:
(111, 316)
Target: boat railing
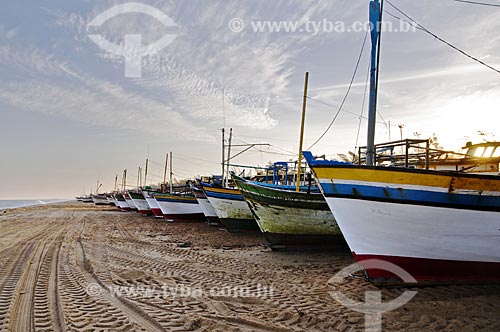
(409, 153)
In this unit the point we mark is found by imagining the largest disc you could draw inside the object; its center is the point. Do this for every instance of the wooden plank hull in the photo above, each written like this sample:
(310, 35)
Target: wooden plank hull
(439, 226)
(231, 208)
(179, 208)
(292, 219)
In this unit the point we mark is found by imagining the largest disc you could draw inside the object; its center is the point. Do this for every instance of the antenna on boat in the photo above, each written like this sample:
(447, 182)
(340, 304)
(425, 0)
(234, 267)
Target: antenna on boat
(376, 10)
(229, 155)
(301, 141)
(171, 172)
(116, 181)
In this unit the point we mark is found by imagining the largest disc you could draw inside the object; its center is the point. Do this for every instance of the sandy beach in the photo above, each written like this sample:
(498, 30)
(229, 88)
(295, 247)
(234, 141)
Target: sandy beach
(77, 267)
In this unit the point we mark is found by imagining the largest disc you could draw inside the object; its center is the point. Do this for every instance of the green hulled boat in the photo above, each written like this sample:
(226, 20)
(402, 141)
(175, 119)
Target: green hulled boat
(289, 218)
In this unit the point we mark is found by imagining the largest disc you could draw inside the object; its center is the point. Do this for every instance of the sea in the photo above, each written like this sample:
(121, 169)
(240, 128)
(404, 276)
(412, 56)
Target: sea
(10, 204)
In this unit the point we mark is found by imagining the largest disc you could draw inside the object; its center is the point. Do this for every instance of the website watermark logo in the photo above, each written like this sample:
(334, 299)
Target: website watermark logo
(315, 27)
(373, 307)
(180, 291)
(133, 51)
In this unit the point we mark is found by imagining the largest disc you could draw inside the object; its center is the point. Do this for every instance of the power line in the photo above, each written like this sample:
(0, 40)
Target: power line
(478, 3)
(442, 40)
(346, 95)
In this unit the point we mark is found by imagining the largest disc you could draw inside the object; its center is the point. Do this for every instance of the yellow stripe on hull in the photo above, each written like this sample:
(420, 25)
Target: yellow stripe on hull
(223, 190)
(451, 182)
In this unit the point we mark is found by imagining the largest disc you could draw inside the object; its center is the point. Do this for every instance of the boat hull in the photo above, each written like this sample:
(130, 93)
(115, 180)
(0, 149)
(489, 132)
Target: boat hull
(131, 204)
(231, 208)
(438, 226)
(205, 206)
(100, 200)
(292, 219)
(418, 237)
(179, 208)
(140, 203)
(153, 205)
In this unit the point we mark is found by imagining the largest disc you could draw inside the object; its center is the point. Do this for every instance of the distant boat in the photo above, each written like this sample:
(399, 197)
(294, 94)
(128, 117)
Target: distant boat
(129, 201)
(179, 207)
(230, 207)
(110, 199)
(122, 203)
(291, 219)
(439, 226)
(100, 199)
(205, 206)
(140, 202)
(152, 203)
(87, 199)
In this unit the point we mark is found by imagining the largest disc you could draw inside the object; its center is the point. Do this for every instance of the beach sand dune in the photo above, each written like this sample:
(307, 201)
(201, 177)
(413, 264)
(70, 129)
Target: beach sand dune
(75, 267)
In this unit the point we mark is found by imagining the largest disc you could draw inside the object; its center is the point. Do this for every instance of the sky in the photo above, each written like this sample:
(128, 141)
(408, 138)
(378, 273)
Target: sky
(70, 115)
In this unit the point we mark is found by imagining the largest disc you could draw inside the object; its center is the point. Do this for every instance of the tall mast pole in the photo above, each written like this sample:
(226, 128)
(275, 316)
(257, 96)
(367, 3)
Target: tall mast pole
(146, 173)
(229, 155)
(301, 141)
(165, 173)
(171, 173)
(139, 176)
(116, 181)
(124, 180)
(375, 23)
(223, 156)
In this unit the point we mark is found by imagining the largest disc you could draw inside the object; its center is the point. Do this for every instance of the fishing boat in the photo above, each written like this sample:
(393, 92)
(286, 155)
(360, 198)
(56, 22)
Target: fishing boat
(288, 218)
(205, 206)
(140, 202)
(152, 203)
(179, 204)
(230, 207)
(130, 202)
(439, 226)
(110, 199)
(87, 199)
(100, 199)
(179, 207)
(121, 202)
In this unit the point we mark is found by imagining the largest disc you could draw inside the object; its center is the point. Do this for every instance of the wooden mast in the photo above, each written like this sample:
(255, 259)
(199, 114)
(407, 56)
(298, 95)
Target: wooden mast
(171, 173)
(223, 157)
(124, 180)
(165, 174)
(304, 104)
(146, 172)
(229, 155)
(376, 9)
